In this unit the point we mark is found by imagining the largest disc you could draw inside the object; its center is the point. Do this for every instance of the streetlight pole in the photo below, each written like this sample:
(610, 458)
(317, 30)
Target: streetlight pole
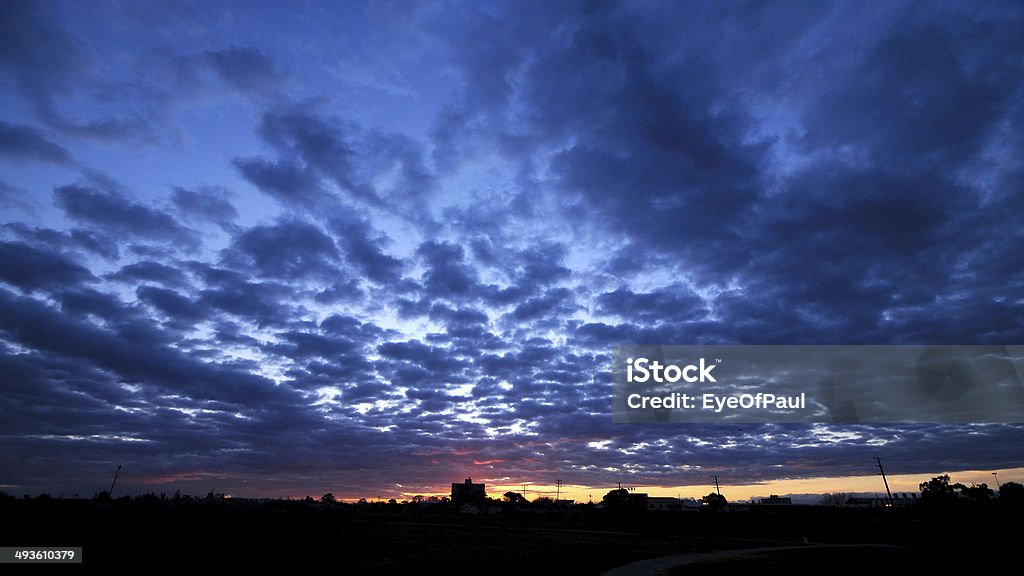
(888, 493)
(116, 472)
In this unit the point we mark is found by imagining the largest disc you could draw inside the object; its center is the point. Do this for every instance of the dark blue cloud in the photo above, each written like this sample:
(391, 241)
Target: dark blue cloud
(652, 308)
(12, 197)
(42, 56)
(48, 63)
(433, 359)
(555, 303)
(282, 180)
(448, 274)
(30, 268)
(146, 271)
(265, 303)
(318, 155)
(365, 249)
(664, 152)
(26, 143)
(244, 67)
(286, 251)
(172, 304)
(76, 240)
(135, 350)
(207, 204)
(86, 301)
(113, 213)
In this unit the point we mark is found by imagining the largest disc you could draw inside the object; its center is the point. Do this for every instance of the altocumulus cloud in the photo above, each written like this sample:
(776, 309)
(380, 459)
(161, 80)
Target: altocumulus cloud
(224, 262)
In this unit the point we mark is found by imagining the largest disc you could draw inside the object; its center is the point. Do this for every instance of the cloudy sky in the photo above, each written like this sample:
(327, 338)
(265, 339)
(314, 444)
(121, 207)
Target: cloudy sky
(373, 248)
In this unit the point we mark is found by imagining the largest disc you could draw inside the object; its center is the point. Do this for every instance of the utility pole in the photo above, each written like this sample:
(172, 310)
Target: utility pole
(524, 490)
(558, 489)
(882, 470)
(717, 488)
(997, 480)
(118, 471)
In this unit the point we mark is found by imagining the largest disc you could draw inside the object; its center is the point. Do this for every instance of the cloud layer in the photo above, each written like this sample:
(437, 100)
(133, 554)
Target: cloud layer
(236, 258)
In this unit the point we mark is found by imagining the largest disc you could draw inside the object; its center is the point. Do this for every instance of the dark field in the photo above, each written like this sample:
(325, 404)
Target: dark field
(272, 536)
(848, 560)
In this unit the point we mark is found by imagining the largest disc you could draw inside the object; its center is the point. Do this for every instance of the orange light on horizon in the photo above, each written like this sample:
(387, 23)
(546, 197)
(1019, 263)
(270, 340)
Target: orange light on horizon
(738, 492)
(582, 493)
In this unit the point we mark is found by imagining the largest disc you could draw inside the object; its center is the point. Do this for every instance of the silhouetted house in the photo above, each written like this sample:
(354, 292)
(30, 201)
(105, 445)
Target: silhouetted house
(468, 493)
(774, 500)
(638, 500)
(564, 503)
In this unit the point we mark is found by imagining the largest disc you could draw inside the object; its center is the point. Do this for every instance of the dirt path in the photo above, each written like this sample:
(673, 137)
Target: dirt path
(656, 566)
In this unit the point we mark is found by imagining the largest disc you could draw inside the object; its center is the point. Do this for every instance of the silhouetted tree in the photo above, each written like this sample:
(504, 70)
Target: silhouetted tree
(1011, 493)
(616, 499)
(978, 493)
(148, 497)
(328, 499)
(835, 499)
(514, 498)
(714, 502)
(939, 490)
(543, 501)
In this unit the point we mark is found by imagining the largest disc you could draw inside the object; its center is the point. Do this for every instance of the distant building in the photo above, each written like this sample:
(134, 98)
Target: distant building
(668, 504)
(776, 500)
(468, 493)
(899, 500)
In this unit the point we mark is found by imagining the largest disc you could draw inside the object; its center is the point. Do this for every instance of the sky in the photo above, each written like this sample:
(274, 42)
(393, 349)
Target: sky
(373, 248)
